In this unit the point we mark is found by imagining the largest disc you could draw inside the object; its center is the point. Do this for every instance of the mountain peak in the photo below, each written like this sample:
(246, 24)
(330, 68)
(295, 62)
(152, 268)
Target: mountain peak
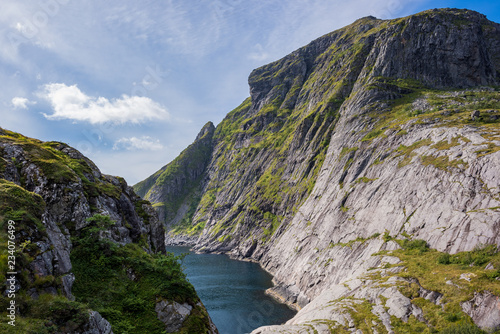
(207, 129)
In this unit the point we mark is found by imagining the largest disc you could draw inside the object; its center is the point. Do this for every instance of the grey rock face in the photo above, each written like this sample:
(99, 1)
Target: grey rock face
(172, 314)
(98, 325)
(312, 207)
(438, 50)
(475, 115)
(67, 283)
(484, 309)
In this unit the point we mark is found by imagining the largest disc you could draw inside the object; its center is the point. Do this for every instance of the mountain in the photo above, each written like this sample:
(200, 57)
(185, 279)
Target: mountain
(88, 254)
(362, 172)
(176, 188)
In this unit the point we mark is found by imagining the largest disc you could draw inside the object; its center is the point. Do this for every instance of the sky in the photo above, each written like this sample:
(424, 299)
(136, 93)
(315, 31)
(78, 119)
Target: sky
(131, 83)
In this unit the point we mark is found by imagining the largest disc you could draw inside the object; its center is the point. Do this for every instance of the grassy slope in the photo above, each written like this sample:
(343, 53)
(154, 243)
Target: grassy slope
(435, 271)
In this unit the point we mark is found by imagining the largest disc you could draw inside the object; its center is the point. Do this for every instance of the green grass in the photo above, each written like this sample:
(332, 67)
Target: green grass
(433, 269)
(443, 162)
(446, 145)
(59, 167)
(407, 151)
(346, 150)
(124, 283)
(492, 148)
(48, 313)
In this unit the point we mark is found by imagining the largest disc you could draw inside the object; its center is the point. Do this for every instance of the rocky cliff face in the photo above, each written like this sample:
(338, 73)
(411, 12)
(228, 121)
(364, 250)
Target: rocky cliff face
(175, 189)
(352, 157)
(57, 198)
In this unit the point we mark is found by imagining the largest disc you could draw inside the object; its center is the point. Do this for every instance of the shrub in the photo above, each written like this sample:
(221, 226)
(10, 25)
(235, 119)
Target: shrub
(417, 244)
(444, 258)
(478, 257)
(463, 328)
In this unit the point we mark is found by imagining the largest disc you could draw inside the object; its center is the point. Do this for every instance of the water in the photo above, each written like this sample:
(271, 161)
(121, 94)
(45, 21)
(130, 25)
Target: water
(233, 292)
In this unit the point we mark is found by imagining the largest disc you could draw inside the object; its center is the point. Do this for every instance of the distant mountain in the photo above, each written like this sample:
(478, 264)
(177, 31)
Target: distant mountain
(357, 176)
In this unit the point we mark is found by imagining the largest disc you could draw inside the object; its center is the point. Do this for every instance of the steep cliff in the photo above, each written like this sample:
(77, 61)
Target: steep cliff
(82, 240)
(175, 189)
(354, 155)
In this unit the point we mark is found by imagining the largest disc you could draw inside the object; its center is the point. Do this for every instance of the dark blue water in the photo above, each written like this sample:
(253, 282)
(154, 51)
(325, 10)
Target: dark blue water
(233, 292)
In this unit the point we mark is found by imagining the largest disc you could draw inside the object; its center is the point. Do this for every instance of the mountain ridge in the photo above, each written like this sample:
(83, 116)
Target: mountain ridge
(362, 143)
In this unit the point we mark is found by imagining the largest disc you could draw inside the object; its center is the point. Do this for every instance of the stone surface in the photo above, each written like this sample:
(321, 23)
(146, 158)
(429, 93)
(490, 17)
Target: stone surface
(97, 324)
(172, 314)
(484, 309)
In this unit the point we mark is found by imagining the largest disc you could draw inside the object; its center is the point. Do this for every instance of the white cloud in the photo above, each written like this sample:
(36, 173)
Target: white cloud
(69, 102)
(134, 143)
(21, 102)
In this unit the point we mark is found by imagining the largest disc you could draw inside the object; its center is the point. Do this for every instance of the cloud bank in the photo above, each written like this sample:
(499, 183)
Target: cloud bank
(69, 102)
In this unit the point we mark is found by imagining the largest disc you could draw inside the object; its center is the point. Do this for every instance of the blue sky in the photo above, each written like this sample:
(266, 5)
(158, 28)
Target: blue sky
(130, 83)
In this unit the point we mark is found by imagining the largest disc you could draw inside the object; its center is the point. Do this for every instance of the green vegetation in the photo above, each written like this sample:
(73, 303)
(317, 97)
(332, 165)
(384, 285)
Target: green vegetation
(407, 151)
(270, 133)
(491, 148)
(442, 162)
(59, 167)
(22, 206)
(443, 108)
(435, 271)
(350, 243)
(364, 179)
(48, 313)
(346, 150)
(372, 134)
(446, 145)
(445, 273)
(124, 283)
(462, 328)
(364, 318)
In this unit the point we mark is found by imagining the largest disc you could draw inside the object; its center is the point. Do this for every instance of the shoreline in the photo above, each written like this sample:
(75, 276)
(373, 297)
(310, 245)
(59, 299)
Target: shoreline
(278, 292)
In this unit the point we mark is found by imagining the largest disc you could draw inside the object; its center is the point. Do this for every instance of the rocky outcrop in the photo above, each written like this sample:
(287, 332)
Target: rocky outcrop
(172, 314)
(98, 325)
(484, 309)
(72, 189)
(57, 200)
(360, 138)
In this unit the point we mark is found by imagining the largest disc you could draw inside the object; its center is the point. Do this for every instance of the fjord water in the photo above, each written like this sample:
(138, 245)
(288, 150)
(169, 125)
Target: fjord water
(233, 292)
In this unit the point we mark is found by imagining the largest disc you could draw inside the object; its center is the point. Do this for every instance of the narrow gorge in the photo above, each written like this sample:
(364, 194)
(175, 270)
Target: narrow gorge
(362, 173)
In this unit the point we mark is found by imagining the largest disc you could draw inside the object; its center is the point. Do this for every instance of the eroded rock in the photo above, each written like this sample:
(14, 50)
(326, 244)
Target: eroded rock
(484, 309)
(172, 314)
